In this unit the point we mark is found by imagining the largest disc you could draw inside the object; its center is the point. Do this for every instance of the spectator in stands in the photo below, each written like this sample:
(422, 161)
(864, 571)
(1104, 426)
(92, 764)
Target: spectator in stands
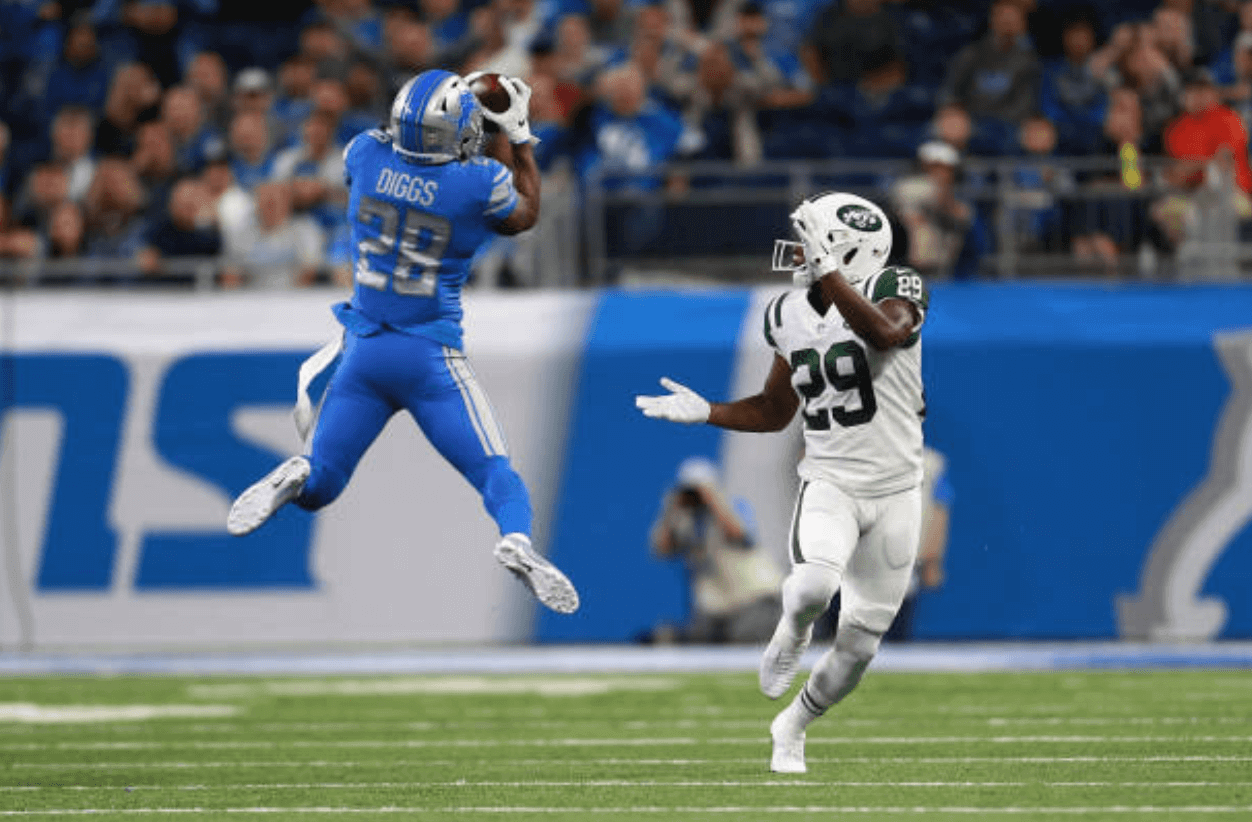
(789, 23)
(843, 36)
(1237, 91)
(578, 58)
(322, 43)
(252, 158)
(410, 50)
(357, 21)
(154, 28)
(447, 25)
(1139, 64)
(1206, 142)
(67, 233)
(1103, 229)
(658, 51)
(73, 132)
(889, 115)
(208, 77)
(698, 23)
(286, 250)
(1222, 65)
(778, 77)
(632, 134)
(294, 100)
(366, 104)
(156, 165)
(718, 106)
(253, 92)
(46, 187)
(182, 114)
(1171, 31)
(611, 24)
(330, 98)
(80, 76)
(16, 242)
(134, 98)
(186, 231)
(232, 207)
(555, 90)
(314, 170)
(1038, 184)
(114, 211)
(632, 138)
(937, 220)
(1072, 93)
(997, 77)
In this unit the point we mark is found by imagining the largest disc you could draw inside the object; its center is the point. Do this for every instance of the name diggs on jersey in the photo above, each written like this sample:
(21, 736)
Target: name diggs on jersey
(408, 187)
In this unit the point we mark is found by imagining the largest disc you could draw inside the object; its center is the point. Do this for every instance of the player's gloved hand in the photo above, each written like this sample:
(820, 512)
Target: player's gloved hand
(680, 405)
(515, 120)
(818, 256)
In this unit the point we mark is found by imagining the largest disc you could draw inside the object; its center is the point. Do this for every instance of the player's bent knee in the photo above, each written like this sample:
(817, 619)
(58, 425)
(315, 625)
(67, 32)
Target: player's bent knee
(858, 643)
(808, 589)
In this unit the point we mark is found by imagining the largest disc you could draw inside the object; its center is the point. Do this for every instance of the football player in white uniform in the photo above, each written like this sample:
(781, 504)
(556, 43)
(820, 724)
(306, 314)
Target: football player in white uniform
(848, 357)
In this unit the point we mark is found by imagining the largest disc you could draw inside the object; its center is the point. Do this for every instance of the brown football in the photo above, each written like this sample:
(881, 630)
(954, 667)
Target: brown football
(491, 92)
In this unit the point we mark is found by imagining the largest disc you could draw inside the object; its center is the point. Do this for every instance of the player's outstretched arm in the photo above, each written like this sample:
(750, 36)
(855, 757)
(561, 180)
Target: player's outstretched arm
(769, 410)
(526, 180)
(514, 123)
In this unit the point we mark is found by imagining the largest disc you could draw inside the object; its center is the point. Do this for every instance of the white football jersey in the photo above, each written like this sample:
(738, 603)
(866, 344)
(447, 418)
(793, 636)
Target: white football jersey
(862, 407)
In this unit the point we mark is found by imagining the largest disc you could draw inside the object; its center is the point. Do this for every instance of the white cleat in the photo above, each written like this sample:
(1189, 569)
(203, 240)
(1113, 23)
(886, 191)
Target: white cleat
(262, 499)
(781, 660)
(545, 581)
(788, 756)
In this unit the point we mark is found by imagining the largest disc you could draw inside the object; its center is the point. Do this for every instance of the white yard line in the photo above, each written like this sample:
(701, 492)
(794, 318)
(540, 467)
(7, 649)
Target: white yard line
(864, 760)
(619, 783)
(753, 719)
(495, 810)
(304, 744)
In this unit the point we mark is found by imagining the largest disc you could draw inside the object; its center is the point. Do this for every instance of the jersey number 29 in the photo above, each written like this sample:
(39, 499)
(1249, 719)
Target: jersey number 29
(825, 370)
(417, 246)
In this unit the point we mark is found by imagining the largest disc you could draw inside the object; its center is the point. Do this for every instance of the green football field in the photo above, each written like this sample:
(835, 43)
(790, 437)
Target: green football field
(1089, 745)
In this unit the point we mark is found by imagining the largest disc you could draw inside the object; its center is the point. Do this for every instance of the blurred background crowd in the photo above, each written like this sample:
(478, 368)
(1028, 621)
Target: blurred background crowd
(200, 140)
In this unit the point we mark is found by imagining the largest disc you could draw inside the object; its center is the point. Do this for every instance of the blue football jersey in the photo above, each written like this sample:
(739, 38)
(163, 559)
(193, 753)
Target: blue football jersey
(415, 228)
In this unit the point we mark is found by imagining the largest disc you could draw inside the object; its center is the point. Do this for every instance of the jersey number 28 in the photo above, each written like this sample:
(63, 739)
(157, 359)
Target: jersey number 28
(825, 370)
(417, 247)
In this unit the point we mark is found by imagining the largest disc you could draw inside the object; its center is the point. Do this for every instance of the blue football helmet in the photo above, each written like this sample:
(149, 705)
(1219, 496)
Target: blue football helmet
(435, 118)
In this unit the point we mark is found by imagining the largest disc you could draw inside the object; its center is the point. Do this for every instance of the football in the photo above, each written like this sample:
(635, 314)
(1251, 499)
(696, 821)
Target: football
(491, 93)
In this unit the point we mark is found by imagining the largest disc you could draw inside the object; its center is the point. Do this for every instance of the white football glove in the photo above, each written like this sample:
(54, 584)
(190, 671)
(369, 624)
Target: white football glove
(680, 405)
(514, 121)
(818, 257)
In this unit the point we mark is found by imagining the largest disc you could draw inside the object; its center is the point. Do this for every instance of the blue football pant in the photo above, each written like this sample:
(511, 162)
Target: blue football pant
(389, 371)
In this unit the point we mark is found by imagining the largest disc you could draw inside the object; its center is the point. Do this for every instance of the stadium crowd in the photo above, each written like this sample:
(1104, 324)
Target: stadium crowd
(137, 133)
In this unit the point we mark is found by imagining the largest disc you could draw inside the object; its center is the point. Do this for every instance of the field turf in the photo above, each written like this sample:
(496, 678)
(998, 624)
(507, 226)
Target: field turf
(1033, 746)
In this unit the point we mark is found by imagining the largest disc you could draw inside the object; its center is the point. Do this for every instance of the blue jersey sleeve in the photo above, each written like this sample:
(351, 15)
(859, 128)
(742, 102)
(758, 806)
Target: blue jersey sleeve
(502, 196)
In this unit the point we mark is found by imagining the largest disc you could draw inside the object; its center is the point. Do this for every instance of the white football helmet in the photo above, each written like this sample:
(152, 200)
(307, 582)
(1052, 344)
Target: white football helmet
(836, 230)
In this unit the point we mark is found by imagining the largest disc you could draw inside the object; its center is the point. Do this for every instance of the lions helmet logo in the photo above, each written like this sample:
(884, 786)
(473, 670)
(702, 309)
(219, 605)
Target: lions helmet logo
(859, 217)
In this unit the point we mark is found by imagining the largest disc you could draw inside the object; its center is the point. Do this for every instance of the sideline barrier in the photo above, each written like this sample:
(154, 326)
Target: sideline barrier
(1099, 440)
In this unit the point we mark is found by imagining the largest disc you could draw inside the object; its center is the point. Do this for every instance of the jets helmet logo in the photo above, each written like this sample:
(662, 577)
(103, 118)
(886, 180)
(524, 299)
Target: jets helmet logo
(859, 217)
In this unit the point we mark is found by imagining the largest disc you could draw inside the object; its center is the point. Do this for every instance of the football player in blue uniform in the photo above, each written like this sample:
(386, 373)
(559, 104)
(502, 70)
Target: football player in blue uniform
(422, 199)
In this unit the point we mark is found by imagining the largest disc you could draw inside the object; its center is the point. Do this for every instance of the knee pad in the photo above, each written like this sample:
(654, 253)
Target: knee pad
(856, 643)
(808, 589)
